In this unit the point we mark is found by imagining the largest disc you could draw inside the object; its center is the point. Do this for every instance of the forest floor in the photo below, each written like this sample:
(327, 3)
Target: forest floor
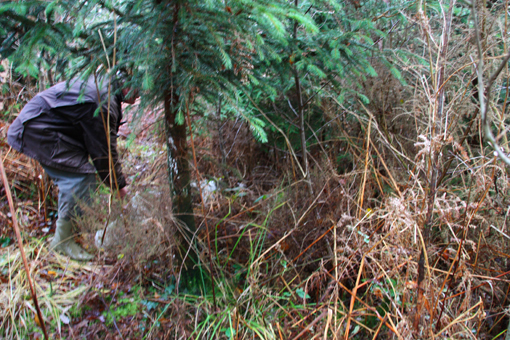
(286, 264)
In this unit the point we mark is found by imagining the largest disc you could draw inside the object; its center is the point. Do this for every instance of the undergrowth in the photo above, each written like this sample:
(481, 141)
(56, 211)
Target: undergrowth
(404, 235)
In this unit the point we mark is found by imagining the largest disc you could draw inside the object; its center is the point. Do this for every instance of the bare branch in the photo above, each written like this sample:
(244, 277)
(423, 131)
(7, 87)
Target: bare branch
(486, 92)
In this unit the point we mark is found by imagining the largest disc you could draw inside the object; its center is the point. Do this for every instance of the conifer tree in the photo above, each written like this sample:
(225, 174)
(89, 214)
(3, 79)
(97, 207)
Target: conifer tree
(326, 60)
(177, 50)
(183, 52)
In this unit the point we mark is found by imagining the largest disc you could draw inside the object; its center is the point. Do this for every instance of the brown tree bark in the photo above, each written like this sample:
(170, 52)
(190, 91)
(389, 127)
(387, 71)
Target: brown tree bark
(179, 174)
(301, 113)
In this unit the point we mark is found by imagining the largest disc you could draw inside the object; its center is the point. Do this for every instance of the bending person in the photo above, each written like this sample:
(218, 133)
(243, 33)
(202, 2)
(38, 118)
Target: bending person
(62, 128)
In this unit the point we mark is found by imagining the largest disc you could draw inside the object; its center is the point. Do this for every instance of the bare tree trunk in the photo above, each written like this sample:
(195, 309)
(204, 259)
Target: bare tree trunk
(301, 113)
(179, 177)
(179, 174)
(222, 142)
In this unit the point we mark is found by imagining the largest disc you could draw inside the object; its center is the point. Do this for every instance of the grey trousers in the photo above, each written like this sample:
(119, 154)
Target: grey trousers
(72, 188)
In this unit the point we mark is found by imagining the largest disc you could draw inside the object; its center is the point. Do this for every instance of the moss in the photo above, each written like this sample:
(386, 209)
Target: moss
(124, 307)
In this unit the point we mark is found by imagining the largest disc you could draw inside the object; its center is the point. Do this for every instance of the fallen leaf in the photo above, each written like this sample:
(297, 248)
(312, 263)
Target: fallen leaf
(64, 319)
(37, 321)
(83, 323)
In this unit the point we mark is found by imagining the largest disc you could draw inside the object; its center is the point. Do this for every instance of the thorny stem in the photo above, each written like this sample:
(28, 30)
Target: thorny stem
(437, 123)
(435, 131)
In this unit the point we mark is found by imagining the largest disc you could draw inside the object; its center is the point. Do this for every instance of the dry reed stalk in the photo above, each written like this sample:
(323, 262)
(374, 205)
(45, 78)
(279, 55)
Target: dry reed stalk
(363, 181)
(279, 331)
(311, 324)
(484, 92)
(463, 318)
(380, 158)
(353, 297)
(291, 231)
(335, 292)
(111, 167)
(379, 328)
(390, 327)
(22, 250)
(419, 290)
(315, 241)
(328, 322)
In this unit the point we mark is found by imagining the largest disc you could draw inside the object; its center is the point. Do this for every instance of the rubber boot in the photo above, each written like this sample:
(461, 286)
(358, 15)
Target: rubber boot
(64, 243)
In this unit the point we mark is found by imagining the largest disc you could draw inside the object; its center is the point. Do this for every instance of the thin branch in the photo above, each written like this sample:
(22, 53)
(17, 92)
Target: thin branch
(496, 74)
(485, 92)
(20, 245)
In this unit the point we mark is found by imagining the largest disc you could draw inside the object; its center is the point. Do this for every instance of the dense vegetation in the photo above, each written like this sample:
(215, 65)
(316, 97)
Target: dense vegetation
(299, 169)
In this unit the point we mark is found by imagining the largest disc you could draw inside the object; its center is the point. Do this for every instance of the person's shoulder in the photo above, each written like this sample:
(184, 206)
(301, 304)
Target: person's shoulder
(71, 92)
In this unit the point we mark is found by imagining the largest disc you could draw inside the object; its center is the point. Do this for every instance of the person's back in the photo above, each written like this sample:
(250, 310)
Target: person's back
(60, 127)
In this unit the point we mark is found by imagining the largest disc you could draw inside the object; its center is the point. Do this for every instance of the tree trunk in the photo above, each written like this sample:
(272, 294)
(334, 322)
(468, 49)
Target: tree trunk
(179, 174)
(301, 113)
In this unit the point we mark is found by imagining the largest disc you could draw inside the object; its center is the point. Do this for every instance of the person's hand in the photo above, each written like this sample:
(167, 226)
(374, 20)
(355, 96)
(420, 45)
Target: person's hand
(123, 192)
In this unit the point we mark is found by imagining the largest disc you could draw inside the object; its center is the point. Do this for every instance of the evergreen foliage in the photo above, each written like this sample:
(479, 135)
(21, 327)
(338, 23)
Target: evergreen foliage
(215, 48)
(331, 56)
(406, 208)
(188, 52)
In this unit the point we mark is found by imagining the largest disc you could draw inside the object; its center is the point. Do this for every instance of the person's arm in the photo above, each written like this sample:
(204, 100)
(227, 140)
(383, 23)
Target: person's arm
(97, 144)
(123, 192)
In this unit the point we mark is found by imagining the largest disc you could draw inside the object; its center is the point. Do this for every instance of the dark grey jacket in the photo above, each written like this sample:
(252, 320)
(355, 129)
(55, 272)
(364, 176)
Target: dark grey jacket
(60, 128)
